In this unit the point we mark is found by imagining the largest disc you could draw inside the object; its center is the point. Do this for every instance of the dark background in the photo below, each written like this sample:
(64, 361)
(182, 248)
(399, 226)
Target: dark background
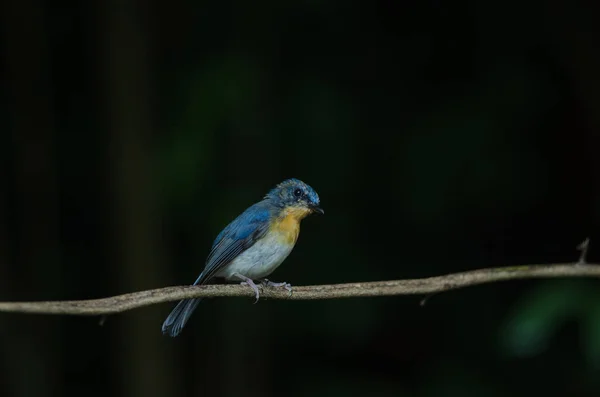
(442, 136)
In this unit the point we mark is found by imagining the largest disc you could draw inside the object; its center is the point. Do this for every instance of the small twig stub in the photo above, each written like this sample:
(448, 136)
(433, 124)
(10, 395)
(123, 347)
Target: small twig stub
(583, 247)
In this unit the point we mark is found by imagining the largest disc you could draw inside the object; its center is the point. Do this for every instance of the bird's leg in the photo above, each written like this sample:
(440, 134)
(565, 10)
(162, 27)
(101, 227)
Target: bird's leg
(248, 281)
(269, 283)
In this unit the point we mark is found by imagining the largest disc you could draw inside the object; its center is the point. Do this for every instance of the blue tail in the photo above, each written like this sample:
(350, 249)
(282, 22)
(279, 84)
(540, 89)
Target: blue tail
(179, 316)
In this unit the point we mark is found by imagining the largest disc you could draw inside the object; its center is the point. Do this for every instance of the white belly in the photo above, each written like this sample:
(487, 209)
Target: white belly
(260, 260)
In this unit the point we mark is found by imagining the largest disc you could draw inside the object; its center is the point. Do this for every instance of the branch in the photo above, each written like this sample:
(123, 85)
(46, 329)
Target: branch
(431, 285)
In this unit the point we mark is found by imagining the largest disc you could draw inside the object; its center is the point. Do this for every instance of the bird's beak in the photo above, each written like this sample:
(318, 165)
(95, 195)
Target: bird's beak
(316, 208)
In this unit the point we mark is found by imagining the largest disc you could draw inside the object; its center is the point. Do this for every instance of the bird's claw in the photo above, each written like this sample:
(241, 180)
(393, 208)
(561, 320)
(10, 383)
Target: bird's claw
(254, 288)
(248, 281)
(267, 283)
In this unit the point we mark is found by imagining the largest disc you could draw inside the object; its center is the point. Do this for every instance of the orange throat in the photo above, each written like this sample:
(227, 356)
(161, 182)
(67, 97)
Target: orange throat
(288, 224)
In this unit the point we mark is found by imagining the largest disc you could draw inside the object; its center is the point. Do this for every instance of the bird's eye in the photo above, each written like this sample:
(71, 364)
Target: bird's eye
(298, 192)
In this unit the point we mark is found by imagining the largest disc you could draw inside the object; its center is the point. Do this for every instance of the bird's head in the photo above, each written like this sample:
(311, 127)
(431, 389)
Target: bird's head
(296, 196)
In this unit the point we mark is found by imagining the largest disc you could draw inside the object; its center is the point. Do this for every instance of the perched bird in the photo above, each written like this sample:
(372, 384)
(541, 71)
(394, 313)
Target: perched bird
(253, 245)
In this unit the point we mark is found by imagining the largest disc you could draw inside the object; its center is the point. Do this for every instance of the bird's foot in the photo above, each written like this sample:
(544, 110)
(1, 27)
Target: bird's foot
(248, 281)
(269, 283)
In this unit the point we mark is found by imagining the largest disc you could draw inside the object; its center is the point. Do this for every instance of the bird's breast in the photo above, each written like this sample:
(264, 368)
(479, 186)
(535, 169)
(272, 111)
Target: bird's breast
(287, 225)
(262, 258)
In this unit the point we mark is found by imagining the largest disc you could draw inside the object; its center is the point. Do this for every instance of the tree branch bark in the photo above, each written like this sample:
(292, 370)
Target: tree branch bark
(422, 286)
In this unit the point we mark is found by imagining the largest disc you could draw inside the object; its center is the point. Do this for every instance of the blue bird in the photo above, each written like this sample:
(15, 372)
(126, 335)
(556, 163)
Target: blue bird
(253, 245)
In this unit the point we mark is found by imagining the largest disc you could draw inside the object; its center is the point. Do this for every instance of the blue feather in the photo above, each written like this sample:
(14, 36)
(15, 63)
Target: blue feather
(237, 237)
(245, 224)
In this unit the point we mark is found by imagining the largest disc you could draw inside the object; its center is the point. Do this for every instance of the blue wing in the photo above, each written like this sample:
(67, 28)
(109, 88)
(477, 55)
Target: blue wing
(237, 237)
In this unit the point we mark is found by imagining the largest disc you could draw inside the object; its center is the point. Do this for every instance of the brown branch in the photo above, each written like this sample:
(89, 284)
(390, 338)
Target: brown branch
(431, 285)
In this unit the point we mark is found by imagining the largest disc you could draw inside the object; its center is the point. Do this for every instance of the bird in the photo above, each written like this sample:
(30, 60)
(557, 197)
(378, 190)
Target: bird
(253, 245)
